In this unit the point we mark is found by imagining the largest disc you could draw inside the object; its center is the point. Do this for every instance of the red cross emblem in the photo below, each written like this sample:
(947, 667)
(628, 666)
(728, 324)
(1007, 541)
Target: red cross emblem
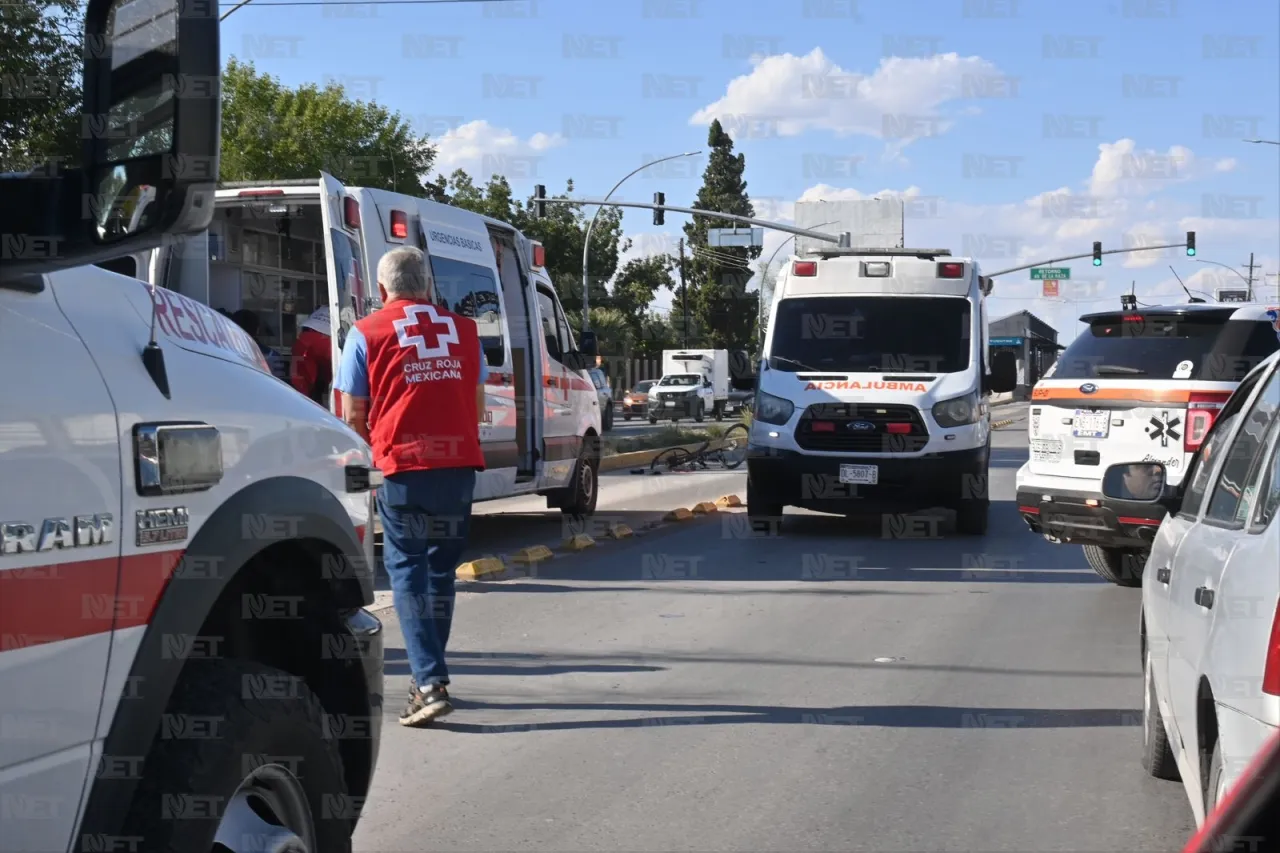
(424, 328)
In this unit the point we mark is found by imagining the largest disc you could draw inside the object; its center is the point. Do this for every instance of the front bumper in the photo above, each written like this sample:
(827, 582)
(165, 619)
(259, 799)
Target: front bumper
(683, 407)
(635, 407)
(906, 484)
(1083, 517)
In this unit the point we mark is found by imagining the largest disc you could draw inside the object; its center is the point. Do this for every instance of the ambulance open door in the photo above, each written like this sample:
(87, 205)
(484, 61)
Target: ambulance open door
(348, 283)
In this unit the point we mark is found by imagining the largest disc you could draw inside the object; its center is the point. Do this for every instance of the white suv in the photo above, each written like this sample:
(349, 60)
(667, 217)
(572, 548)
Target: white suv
(1136, 386)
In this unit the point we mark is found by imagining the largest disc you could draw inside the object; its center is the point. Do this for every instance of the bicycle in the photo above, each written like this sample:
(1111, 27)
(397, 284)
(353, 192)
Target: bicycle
(729, 454)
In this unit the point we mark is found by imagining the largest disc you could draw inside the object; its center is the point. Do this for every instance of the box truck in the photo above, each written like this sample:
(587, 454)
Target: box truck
(694, 382)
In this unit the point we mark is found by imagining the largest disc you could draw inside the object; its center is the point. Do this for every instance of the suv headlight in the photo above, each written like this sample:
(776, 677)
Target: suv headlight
(959, 411)
(773, 410)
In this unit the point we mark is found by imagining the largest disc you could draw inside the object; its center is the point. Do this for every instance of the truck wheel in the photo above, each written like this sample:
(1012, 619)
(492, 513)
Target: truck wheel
(1120, 566)
(971, 518)
(719, 410)
(652, 419)
(763, 513)
(582, 494)
(699, 409)
(626, 417)
(225, 801)
(608, 421)
(1157, 756)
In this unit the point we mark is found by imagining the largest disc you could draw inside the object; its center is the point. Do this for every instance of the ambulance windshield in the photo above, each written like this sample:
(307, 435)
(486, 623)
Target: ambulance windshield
(871, 334)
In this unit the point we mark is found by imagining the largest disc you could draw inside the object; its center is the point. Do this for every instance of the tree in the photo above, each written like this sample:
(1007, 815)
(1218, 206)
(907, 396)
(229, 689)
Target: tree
(656, 334)
(40, 83)
(723, 312)
(636, 285)
(271, 132)
(613, 332)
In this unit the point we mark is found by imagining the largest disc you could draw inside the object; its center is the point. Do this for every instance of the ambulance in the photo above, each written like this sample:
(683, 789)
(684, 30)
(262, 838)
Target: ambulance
(186, 661)
(873, 388)
(282, 249)
(1136, 386)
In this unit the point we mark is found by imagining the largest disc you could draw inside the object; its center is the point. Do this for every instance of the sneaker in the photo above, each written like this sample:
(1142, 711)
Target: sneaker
(422, 708)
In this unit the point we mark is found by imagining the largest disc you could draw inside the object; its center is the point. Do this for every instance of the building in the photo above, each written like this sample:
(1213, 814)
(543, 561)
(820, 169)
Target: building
(1032, 340)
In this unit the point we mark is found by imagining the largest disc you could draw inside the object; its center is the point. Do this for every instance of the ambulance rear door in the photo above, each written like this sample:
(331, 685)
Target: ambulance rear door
(349, 284)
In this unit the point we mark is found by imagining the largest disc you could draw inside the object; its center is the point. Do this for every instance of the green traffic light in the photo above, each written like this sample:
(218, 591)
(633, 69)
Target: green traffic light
(1191, 251)
(1097, 262)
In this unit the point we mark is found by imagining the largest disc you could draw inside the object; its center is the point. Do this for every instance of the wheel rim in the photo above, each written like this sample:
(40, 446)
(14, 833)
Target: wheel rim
(586, 482)
(268, 812)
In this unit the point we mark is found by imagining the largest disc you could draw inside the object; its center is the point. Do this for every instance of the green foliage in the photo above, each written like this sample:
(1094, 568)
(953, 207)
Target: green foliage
(40, 70)
(613, 331)
(723, 312)
(271, 132)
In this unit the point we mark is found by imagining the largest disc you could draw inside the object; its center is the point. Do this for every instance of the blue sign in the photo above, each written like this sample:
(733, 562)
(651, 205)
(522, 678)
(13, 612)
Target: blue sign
(1006, 342)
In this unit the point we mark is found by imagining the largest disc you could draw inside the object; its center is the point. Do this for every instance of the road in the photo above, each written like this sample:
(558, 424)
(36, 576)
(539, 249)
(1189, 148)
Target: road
(830, 689)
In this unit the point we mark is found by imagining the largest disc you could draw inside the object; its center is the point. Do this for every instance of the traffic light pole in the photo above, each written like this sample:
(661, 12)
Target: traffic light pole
(1078, 257)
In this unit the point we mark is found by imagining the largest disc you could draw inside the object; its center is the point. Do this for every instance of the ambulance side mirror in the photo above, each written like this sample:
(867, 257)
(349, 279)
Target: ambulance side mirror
(149, 133)
(1004, 372)
(588, 345)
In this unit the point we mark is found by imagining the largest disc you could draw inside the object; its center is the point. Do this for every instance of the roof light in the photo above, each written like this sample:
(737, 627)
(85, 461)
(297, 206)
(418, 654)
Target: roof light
(804, 268)
(351, 213)
(875, 269)
(255, 193)
(539, 255)
(950, 270)
(399, 224)
(1133, 318)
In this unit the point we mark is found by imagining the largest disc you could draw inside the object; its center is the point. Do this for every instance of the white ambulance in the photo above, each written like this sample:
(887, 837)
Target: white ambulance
(1135, 387)
(873, 386)
(283, 249)
(185, 661)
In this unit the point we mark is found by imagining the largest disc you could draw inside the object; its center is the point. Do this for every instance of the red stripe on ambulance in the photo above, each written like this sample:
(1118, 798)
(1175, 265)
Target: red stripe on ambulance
(63, 601)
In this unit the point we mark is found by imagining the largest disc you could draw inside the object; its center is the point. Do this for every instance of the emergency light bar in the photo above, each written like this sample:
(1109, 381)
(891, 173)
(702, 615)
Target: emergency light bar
(258, 193)
(836, 252)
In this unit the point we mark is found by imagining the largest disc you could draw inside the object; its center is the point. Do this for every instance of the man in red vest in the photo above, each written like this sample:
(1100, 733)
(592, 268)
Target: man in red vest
(311, 369)
(412, 380)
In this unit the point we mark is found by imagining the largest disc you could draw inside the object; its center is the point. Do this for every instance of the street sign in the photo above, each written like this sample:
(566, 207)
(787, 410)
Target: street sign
(1050, 290)
(745, 238)
(1006, 342)
(1045, 273)
(1232, 294)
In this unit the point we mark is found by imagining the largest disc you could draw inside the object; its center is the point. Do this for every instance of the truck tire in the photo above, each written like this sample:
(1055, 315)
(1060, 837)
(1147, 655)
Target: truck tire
(971, 518)
(215, 777)
(1157, 755)
(699, 411)
(579, 500)
(718, 410)
(652, 419)
(763, 514)
(1119, 566)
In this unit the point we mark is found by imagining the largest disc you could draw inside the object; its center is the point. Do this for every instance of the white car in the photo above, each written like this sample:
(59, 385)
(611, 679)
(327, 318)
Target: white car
(1210, 616)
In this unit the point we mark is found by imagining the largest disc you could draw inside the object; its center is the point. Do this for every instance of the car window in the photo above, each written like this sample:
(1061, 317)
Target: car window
(550, 328)
(1232, 495)
(1202, 466)
(1268, 499)
(472, 291)
(1153, 346)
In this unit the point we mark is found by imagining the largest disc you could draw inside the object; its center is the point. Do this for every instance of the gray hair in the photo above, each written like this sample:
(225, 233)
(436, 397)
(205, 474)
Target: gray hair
(403, 272)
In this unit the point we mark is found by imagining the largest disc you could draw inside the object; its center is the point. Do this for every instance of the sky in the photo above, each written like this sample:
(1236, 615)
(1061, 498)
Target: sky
(1014, 130)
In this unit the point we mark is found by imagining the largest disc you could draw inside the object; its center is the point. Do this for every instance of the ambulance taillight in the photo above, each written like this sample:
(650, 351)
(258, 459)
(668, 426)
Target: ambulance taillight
(351, 213)
(399, 224)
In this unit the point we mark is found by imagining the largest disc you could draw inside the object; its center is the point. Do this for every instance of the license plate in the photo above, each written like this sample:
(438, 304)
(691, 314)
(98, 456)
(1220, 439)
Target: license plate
(670, 404)
(1090, 424)
(1046, 449)
(860, 475)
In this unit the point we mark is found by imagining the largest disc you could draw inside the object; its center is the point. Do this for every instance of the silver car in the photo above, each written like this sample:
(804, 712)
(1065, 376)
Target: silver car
(1210, 592)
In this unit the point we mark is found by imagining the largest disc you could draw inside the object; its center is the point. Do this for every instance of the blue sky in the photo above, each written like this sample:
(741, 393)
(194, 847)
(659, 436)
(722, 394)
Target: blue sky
(1129, 113)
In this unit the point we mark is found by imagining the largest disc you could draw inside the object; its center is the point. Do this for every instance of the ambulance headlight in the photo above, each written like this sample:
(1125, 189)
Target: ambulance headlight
(772, 410)
(958, 411)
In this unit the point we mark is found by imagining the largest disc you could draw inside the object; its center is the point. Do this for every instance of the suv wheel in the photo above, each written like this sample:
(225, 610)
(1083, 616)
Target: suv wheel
(1157, 755)
(281, 804)
(1120, 566)
(583, 492)
(699, 409)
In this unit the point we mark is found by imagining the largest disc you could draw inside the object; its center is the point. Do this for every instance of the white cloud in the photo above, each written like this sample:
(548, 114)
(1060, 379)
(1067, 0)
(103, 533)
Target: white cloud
(787, 95)
(483, 149)
(1226, 164)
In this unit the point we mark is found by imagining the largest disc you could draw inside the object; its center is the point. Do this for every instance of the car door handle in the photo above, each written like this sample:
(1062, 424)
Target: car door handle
(1162, 575)
(1204, 597)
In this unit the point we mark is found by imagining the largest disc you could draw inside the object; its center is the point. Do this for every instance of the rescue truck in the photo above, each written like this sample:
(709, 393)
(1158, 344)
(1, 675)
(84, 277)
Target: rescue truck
(285, 248)
(1135, 387)
(185, 658)
(873, 386)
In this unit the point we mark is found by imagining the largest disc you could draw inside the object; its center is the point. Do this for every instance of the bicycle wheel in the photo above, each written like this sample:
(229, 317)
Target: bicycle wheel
(673, 459)
(733, 447)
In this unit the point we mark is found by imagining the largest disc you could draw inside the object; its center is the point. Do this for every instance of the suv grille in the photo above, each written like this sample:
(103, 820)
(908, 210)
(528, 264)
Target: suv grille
(671, 395)
(891, 429)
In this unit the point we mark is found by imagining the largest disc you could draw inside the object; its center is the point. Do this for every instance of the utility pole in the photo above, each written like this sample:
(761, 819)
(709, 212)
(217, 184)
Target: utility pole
(684, 296)
(1251, 268)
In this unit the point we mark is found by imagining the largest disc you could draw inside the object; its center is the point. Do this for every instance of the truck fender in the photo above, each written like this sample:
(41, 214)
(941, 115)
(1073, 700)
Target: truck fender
(215, 555)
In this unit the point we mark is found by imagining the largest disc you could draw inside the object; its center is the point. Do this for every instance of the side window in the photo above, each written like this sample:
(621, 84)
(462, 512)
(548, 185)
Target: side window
(1202, 467)
(550, 324)
(1268, 499)
(1233, 493)
(472, 291)
(566, 336)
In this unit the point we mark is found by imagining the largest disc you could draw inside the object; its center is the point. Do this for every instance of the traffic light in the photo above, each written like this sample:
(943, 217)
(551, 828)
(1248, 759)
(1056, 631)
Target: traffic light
(659, 215)
(1191, 243)
(539, 201)
(1097, 254)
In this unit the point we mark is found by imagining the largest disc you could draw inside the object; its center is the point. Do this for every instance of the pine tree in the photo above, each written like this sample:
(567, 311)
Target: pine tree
(722, 312)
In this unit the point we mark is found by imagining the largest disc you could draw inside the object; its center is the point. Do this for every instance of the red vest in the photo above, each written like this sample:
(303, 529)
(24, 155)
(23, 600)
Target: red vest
(424, 369)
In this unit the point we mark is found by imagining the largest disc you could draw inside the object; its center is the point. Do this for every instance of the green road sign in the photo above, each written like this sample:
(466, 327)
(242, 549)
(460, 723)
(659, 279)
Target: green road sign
(1050, 273)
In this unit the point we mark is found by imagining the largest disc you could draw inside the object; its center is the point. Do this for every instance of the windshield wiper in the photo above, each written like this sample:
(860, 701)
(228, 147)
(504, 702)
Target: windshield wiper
(799, 364)
(1113, 369)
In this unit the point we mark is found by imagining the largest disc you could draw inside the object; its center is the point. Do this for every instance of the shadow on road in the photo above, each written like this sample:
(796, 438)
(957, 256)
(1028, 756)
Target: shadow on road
(887, 716)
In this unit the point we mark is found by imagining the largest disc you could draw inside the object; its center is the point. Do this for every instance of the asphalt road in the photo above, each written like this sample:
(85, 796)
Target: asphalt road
(833, 688)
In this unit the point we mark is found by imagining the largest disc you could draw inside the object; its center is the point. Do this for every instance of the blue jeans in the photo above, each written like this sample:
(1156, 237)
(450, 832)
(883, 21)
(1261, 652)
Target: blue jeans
(425, 517)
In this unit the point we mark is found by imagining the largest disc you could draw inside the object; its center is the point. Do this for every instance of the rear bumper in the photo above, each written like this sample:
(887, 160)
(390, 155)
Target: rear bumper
(1088, 518)
(905, 484)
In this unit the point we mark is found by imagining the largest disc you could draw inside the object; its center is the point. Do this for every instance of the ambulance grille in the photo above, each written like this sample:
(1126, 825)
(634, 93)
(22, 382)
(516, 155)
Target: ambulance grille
(909, 433)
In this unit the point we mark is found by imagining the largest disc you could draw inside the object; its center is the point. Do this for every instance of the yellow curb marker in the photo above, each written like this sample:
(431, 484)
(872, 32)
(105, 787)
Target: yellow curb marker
(999, 424)
(680, 514)
(729, 500)
(480, 568)
(578, 542)
(618, 530)
(533, 554)
(704, 507)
